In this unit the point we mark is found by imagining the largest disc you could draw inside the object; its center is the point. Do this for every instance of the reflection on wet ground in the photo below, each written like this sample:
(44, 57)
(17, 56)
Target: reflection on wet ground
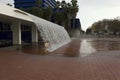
(77, 47)
(34, 49)
(105, 45)
(86, 48)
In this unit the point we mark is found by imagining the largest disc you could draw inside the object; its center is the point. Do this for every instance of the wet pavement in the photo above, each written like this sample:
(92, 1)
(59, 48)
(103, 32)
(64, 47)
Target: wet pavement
(84, 59)
(76, 48)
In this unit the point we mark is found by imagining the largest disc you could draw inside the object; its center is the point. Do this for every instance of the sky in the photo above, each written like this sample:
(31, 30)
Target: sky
(91, 11)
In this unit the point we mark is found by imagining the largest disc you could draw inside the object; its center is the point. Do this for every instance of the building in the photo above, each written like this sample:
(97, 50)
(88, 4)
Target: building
(32, 3)
(75, 24)
(17, 27)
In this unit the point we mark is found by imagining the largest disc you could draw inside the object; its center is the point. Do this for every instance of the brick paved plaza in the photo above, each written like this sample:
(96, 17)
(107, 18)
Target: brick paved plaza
(101, 65)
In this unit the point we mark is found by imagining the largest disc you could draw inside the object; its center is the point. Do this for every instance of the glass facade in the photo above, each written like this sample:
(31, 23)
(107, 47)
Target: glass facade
(26, 33)
(5, 34)
(77, 23)
(32, 3)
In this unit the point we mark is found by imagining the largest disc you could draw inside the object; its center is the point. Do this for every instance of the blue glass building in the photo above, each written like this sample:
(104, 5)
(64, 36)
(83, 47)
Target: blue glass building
(32, 3)
(77, 24)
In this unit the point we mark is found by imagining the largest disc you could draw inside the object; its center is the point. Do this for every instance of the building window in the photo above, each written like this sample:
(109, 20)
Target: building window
(25, 28)
(4, 27)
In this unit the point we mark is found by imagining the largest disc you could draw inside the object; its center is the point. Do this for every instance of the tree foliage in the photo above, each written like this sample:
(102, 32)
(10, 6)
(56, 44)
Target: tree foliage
(89, 30)
(69, 11)
(107, 25)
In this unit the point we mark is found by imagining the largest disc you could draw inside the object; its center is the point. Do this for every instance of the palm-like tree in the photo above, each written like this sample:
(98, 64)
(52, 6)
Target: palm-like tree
(58, 4)
(69, 15)
(69, 11)
(63, 4)
(60, 16)
(74, 10)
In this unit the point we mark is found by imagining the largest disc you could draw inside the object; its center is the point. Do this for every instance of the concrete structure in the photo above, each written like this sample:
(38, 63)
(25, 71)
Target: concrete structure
(16, 18)
(32, 3)
(25, 27)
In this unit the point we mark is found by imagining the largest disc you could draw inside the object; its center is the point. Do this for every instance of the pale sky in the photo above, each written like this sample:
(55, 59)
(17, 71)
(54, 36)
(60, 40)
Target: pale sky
(91, 11)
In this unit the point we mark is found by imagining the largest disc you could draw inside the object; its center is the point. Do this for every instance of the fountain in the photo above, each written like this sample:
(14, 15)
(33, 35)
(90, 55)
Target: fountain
(51, 33)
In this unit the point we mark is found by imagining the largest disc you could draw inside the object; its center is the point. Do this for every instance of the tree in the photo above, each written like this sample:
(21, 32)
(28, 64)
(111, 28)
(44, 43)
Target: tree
(60, 15)
(39, 11)
(69, 14)
(74, 10)
(63, 4)
(65, 12)
(36, 11)
(47, 13)
(58, 4)
(39, 3)
(111, 26)
(74, 7)
(89, 30)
